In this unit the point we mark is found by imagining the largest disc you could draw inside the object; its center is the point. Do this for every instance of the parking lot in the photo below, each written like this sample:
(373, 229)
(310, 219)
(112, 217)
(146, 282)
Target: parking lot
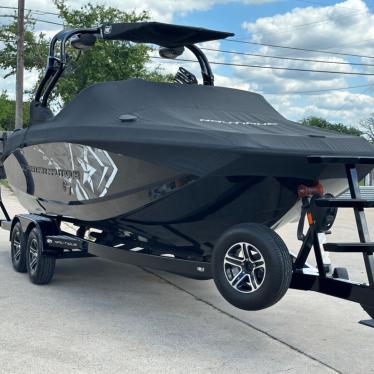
(104, 317)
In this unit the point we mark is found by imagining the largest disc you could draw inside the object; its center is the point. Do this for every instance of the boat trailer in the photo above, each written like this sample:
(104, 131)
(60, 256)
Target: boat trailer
(319, 209)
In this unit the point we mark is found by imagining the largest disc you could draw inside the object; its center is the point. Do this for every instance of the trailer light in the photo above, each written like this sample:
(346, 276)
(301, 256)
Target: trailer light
(310, 218)
(306, 191)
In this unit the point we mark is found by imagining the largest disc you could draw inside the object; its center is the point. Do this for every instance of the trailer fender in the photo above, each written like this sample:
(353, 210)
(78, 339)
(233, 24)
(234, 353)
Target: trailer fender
(47, 225)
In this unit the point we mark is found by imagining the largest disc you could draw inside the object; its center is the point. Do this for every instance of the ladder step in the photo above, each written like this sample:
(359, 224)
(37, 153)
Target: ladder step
(344, 203)
(349, 247)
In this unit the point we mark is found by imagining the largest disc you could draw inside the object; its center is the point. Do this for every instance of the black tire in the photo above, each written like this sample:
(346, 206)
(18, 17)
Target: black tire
(369, 310)
(40, 267)
(340, 273)
(18, 248)
(264, 285)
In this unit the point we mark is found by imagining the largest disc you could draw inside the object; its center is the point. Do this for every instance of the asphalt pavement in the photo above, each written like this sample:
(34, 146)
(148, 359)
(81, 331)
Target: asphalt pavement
(99, 316)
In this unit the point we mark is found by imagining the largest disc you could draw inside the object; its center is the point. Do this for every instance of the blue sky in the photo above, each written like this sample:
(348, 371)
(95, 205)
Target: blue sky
(336, 26)
(231, 16)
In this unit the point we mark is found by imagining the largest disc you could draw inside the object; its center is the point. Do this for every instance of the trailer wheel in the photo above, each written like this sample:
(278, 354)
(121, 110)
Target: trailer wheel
(18, 248)
(252, 267)
(40, 266)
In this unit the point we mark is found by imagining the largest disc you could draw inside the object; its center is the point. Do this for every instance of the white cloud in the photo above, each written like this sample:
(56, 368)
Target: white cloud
(343, 99)
(346, 26)
(316, 27)
(8, 85)
(161, 10)
(343, 106)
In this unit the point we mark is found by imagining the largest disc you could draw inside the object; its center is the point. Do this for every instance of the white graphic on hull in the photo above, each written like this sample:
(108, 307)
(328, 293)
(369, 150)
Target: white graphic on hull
(96, 168)
(88, 170)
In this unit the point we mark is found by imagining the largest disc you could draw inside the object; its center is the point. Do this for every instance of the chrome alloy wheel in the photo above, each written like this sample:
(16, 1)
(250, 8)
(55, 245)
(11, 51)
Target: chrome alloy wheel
(17, 246)
(33, 255)
(244, 267)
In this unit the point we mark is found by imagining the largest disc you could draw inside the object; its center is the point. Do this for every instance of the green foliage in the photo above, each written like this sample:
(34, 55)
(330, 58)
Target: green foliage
(7, 112)
(336, 127)
(114, 60)
(36, 48)
(106, 61)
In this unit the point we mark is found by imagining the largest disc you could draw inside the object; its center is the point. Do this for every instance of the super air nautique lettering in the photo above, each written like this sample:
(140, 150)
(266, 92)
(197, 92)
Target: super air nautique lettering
(74, 174)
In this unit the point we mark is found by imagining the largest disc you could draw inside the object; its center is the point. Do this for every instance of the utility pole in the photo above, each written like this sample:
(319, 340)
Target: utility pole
(20, 64)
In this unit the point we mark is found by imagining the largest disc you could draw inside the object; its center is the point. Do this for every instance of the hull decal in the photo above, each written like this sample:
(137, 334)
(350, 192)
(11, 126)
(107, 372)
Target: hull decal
(95, 167)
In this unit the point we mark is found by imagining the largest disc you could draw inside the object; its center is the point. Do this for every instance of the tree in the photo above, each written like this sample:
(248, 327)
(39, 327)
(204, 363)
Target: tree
(7, 109)
(36, 48)
(106, 61)
(367, 128)
(336, 127)
(115, 60)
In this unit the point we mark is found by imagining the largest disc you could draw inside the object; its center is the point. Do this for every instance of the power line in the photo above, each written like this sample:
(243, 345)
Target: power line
(268, 56)
(274, 67)
(246, 42)
(317, 91)
(260, 55)
(343, 105)
(270, 67)
(284, 92)
(354, 12)
(288, 93)
(30, 10)
(295, 48)
(31, 19)
(261, 66)
(308, 24)
(278, 57)
(285, 58)
(324, 20)
(231, 40)
(327, 48)
(351, 43)
(295, 27)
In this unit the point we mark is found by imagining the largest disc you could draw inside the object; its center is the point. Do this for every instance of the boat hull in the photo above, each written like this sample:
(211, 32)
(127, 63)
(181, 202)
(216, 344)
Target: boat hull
(120, 193)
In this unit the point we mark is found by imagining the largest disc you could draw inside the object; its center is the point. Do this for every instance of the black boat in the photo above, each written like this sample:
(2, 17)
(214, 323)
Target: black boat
(175, 165)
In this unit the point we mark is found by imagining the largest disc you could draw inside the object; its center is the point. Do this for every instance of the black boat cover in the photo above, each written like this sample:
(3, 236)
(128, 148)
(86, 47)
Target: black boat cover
(114, 115)
(162, 34)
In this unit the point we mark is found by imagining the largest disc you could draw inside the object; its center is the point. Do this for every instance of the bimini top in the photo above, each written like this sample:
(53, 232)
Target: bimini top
(119, 114)
(162, 34)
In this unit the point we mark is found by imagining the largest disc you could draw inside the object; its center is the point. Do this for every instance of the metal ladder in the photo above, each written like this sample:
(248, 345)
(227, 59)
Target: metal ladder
(321, 281)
